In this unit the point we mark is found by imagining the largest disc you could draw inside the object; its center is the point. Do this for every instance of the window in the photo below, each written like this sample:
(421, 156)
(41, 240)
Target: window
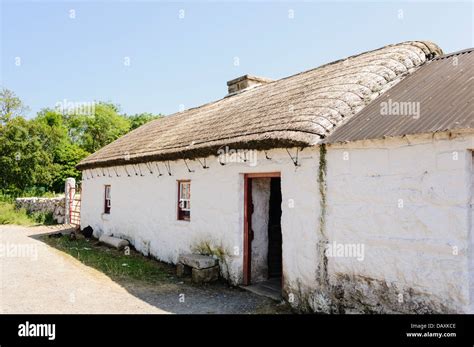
(107, 200)
(184, 200)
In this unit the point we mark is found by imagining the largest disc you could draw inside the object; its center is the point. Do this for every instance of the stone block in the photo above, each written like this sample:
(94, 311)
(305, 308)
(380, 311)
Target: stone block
(182, 270)
(113, 241)
(205, 275)
(197, 261)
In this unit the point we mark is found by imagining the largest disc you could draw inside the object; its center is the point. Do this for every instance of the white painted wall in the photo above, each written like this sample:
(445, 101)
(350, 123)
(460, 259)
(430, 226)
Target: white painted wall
(471, 235)
(407, 201)
(144, 209)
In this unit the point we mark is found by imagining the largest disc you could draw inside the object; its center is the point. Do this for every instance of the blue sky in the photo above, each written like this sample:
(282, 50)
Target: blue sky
(186, 61)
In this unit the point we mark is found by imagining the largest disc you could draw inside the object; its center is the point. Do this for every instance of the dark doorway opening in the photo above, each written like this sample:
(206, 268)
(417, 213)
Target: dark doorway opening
(274, 230)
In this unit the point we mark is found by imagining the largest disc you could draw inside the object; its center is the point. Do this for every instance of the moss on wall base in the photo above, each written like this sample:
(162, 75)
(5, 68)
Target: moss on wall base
(368, 295)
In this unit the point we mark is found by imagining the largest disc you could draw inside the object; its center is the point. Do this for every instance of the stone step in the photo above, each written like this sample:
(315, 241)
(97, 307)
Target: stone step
(197, 261)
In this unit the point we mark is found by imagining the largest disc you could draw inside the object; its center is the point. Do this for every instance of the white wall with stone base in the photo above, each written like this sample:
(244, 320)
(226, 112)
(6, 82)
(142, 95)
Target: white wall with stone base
(407, 201)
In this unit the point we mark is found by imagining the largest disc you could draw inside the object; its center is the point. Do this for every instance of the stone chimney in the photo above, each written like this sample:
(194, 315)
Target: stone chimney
(245, 82)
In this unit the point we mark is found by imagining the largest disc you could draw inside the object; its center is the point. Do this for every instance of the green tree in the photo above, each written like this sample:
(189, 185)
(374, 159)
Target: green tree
(10, 106)
(52, 129)
(65, 159)
(92, 132)
(24, 162)
(56, 141)
(138, 120)
(39, 154)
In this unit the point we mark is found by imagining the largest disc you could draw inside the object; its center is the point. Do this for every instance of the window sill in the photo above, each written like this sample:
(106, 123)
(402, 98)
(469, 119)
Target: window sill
(182, 222)
(105, 216)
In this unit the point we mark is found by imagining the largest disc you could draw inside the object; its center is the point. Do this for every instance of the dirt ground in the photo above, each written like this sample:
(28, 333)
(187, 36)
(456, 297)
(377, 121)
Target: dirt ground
(36, 278)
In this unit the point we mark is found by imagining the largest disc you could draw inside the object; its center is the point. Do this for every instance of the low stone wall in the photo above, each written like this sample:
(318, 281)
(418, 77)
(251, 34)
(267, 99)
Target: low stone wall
(44, 205)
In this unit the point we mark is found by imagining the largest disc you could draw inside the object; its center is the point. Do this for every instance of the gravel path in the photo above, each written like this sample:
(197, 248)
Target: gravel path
(44, 280)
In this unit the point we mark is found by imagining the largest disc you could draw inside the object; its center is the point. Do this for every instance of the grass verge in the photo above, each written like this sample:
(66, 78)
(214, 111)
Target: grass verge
(116, 264)
(9, 215)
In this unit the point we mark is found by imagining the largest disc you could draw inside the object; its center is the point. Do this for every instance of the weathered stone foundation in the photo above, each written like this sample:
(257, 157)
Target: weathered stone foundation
(358, 294)
(367, 295)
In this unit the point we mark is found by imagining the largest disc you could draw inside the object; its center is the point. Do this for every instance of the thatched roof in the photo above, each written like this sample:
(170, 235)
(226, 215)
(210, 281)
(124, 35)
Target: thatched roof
(299, 110)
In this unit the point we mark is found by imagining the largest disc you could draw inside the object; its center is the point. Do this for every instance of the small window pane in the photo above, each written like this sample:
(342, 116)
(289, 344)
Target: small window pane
(107, 200)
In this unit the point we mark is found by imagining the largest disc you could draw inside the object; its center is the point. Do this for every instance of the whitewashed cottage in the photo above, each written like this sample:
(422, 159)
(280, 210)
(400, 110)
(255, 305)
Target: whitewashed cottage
(347, 187)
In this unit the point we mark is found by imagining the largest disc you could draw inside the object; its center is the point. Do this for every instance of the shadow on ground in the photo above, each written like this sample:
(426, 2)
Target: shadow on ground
(155, 282)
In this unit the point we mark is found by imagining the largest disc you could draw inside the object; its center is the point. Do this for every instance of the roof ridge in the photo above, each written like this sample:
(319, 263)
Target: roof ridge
(448, 55)
(272, 82)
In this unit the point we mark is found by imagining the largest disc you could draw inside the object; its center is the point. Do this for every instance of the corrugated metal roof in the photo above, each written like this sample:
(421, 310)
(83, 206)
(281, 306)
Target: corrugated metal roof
(442, 91)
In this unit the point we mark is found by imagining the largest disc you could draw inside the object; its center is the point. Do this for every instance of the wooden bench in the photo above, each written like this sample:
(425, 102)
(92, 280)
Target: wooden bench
(202, 268)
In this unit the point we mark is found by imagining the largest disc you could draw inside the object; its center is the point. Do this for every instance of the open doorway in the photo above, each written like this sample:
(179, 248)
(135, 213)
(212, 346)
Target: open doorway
(262, 234)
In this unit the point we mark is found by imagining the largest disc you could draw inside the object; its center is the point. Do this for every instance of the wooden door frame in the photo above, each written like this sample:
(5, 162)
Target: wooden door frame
(248, 220)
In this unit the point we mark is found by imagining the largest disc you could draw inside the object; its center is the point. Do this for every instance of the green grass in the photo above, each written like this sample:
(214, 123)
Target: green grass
(9, 215)
(114, 263)
(43, 218)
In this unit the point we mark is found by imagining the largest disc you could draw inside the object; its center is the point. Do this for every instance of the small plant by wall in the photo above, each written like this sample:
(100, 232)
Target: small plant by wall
(321, 300)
